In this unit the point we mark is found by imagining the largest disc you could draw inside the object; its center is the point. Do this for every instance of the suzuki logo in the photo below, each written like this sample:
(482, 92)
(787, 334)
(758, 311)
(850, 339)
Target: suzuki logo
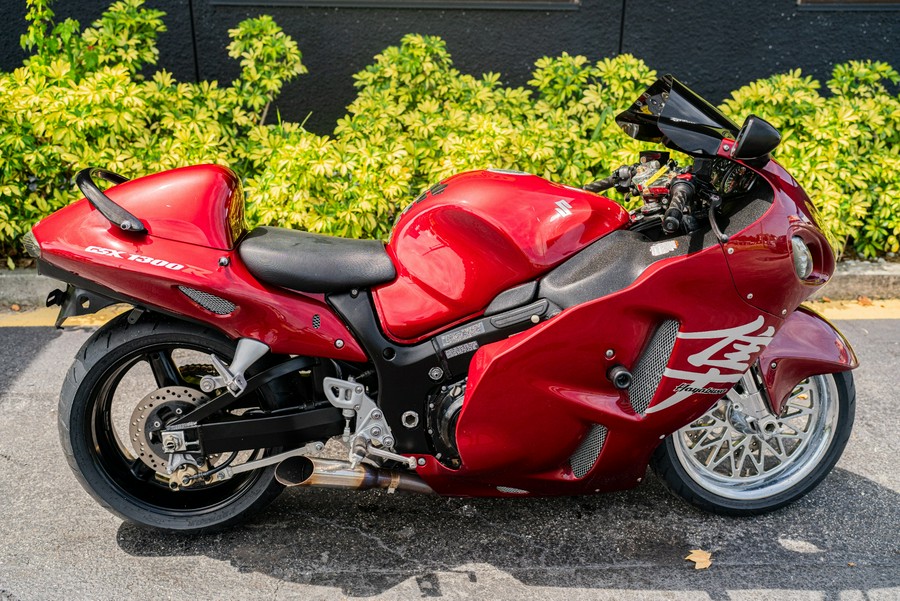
(563, 208)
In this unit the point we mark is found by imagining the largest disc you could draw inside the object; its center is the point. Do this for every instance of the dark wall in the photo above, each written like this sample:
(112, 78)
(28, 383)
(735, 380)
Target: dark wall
(336, 43)
(713, 45)
(720, 45)
(175, 47)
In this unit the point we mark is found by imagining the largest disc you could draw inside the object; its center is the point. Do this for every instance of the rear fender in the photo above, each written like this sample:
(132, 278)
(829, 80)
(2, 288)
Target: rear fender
(806, 345)
(77, 301)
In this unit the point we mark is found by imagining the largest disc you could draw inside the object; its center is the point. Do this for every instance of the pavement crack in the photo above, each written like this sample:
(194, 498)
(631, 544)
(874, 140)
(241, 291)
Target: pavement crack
(544, 550)
(366, 535)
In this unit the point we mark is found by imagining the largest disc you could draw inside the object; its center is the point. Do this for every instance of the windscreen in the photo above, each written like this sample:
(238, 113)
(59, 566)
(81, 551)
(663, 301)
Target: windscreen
(670, 113)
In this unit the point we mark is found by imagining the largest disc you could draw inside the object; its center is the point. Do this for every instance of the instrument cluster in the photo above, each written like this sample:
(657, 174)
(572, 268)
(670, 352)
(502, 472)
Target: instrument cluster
(729, 177)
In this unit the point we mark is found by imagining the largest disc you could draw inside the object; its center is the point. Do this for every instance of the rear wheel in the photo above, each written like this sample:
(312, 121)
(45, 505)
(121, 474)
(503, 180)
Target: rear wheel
(715, 464)
(129, 381)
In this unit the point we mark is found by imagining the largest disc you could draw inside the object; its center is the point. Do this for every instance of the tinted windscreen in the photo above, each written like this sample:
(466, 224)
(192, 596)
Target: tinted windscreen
(670, 113)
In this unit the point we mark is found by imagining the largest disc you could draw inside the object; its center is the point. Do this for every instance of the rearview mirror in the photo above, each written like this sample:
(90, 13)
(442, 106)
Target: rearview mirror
(756, 139)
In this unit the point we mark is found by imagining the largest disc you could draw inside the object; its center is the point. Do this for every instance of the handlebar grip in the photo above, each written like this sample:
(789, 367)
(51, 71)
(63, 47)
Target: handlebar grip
(602, 184)
(672, 220)
(679, 202)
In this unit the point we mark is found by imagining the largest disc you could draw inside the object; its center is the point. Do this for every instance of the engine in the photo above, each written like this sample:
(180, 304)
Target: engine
(444, 408)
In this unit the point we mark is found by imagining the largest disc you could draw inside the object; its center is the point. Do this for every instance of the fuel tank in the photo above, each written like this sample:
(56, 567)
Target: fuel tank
(477, 234)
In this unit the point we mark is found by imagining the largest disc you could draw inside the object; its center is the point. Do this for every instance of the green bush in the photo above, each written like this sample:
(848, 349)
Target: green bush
(72, 105)
(415, 120)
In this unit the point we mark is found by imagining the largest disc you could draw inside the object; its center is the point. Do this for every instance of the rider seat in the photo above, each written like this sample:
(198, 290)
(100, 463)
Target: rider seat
(314, 263)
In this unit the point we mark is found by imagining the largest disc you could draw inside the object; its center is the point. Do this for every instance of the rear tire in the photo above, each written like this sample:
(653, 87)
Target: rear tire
(715, 467)
(94, 399)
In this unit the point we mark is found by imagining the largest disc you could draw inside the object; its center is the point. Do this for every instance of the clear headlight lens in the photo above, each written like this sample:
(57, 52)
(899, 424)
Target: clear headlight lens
(803, 262)
(31, 244)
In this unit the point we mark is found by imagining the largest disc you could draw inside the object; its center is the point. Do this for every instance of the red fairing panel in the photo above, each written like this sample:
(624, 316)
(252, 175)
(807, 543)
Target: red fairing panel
(202, 205)
(807, 345)
(531, 399)
(760, 256)
(149, 268)
(484, 232)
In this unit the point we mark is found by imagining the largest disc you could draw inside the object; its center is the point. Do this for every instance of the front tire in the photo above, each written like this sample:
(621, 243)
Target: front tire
(712, 464)
(117, 367)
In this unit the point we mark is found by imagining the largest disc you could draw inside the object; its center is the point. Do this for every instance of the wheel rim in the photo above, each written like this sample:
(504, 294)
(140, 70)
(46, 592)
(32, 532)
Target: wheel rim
(117, 460)
(732, 464)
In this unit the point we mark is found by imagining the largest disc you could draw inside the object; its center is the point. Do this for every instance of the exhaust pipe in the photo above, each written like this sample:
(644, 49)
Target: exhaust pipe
(331, 473)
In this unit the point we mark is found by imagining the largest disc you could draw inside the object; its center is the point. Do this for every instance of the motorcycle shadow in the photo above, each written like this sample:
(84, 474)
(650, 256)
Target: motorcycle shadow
(840, 537)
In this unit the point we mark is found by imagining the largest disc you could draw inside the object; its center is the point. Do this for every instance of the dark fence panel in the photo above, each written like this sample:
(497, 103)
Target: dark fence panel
(716, 46)
(175, 45)
(338, 42)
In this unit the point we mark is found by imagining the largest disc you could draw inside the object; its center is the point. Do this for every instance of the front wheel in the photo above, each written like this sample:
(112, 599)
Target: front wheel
(715, 464)
(130, 380)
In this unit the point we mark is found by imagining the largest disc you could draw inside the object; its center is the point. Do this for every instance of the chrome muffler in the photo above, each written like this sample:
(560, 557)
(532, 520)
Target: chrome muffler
(332, 473)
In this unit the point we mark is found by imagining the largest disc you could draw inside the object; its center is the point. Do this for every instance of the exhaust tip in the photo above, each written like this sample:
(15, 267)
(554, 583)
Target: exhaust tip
(294, 471)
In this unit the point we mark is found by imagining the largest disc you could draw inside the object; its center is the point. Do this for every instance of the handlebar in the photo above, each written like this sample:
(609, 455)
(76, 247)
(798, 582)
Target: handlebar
(680, 202)
(620, 179)
(602, 184)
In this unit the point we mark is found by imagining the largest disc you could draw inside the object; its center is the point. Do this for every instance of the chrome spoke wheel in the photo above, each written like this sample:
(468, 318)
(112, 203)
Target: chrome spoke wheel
(723, 456)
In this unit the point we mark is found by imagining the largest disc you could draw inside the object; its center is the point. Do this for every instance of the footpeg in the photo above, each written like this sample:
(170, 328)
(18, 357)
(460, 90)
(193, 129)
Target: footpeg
(373, 438)
(248, 352)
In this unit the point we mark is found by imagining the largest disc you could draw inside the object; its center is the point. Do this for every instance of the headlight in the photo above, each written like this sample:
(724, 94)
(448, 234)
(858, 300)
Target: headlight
(803, 263)
(31, 245)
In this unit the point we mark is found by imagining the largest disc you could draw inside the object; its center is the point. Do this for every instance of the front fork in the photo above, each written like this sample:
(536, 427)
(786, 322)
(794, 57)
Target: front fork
(749, 408)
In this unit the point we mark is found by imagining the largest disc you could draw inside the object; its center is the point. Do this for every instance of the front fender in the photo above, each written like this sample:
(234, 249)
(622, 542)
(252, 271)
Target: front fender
(806, 345)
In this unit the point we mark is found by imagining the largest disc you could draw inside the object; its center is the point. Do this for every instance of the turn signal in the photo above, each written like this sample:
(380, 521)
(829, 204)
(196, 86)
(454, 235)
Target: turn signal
(31, 244)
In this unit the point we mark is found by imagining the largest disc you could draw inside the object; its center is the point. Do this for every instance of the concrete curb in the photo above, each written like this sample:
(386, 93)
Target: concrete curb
(852, 279)
(26, 288)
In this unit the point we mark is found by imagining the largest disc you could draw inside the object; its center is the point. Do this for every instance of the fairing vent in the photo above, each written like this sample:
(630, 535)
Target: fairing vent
(512, 491)
(210, 302)
(588, 451)
(650, 367)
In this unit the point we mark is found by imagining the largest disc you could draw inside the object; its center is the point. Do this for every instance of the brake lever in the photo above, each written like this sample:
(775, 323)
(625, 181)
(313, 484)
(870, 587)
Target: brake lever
(715, 201)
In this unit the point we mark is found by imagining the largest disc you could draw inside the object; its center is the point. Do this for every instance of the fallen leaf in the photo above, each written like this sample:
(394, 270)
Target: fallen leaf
(15, 307)
(865, 301)
(852, 564)
(702, 559)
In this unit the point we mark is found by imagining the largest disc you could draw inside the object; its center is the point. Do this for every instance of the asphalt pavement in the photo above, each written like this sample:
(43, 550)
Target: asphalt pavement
(838, 543)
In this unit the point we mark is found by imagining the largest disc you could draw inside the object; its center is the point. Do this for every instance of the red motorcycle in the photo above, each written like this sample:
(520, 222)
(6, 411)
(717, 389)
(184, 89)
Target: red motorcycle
(515, 337)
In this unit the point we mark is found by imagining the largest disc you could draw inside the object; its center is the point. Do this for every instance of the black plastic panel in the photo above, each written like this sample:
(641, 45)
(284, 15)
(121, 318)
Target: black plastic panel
(615, 261)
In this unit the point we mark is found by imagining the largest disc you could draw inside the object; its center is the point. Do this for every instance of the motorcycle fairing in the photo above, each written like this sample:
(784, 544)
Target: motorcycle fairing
(548, 386)
(172, 266)
(544, 394)
(807, 345)
(760, 255)
(476, 235)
